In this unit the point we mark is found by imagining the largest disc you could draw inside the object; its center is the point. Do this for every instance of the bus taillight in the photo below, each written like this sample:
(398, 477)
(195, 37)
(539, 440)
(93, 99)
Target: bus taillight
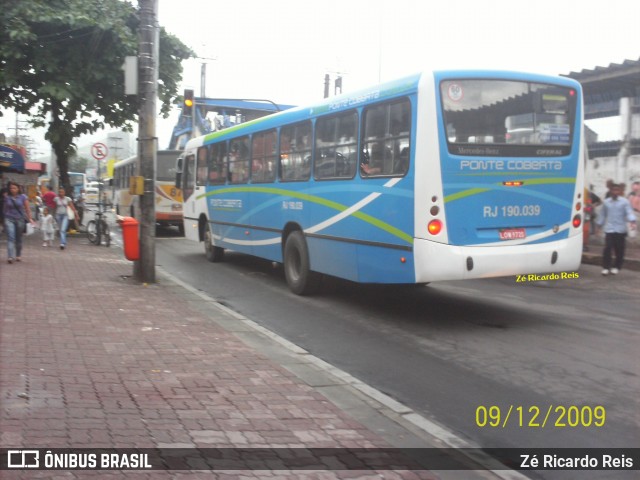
(577, 221)
(434, 227)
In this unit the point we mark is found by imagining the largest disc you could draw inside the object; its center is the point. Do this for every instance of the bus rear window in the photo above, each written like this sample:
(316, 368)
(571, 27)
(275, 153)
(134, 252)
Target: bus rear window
(508, 118)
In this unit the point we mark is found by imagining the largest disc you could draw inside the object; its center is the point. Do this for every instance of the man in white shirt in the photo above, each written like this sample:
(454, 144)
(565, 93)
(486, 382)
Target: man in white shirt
(616, 213)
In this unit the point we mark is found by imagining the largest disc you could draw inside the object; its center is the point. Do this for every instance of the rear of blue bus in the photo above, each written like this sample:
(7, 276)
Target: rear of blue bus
(499, 176)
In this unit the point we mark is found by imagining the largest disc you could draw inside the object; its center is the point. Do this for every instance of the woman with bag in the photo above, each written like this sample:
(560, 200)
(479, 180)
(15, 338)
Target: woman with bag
(63, 204)
(16, 211)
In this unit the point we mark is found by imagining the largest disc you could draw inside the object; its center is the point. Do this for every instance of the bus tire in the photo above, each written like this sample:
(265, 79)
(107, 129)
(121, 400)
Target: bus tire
(181, 229)
(214, 254)
(300, 279)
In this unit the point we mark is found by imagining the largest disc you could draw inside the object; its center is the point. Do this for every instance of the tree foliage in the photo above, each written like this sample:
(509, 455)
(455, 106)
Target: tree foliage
(61, 64)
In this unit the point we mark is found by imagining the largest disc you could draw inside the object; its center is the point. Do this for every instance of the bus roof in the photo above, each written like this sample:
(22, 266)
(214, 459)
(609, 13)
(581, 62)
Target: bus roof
(403, 86)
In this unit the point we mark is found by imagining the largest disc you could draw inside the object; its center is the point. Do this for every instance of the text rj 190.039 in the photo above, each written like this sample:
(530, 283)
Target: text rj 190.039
(558, 416)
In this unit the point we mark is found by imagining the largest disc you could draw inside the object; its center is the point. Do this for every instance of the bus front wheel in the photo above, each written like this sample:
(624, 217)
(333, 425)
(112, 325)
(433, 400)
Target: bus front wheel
(214, 254)
(300, 279)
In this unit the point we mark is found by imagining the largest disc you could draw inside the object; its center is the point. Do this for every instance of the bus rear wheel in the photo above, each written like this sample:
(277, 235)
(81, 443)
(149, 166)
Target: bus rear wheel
(214, 254)
(297, 268)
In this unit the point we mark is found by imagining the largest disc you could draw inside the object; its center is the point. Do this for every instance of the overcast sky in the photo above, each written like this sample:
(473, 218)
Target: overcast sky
(281, 49)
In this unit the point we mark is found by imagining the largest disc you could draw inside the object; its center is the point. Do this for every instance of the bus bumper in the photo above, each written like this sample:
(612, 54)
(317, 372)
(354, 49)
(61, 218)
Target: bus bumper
(438, 262)
(169, 217)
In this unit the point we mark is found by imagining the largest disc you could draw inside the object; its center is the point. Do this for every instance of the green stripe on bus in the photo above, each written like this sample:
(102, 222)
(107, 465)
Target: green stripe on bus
(532, 181)
(320, 201)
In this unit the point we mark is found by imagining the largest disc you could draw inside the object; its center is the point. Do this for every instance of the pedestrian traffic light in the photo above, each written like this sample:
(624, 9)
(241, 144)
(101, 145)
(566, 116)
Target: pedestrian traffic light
(187, 107)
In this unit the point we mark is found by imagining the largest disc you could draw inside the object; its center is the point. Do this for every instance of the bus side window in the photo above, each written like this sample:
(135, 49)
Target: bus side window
(295, 152)
(239, 160)
(386, 141)
(188, 177)
(336, 146)
(218, 164)
(201, 171)
(263, 157)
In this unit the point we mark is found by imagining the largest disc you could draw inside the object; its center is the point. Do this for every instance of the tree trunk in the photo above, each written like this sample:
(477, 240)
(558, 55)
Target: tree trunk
(61, 140)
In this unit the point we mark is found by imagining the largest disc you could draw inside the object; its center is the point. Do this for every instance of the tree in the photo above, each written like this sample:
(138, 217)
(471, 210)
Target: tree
(77, 163)
(61, 64)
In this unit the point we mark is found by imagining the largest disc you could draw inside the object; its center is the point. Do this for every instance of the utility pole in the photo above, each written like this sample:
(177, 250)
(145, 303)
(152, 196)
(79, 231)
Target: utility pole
(203, 74)
(144, 268)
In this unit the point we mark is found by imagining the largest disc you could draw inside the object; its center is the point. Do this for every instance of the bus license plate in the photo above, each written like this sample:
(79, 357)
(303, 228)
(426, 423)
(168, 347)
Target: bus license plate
(513, 234)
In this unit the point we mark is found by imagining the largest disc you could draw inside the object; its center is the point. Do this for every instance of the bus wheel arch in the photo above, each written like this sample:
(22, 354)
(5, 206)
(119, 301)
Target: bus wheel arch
(297, 266)
(213, 253)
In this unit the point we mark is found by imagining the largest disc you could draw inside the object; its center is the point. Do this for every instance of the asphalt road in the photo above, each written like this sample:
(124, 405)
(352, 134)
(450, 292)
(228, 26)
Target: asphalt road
(549, 353)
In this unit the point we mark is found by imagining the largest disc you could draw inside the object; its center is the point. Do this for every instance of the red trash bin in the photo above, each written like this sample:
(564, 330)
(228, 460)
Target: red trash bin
(130, 237)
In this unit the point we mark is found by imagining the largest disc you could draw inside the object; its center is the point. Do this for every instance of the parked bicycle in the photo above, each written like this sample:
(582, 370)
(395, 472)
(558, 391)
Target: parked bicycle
(98, 228)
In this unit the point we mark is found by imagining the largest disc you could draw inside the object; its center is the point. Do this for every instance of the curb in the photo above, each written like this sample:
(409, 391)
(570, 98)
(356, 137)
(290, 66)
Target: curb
(589, 258)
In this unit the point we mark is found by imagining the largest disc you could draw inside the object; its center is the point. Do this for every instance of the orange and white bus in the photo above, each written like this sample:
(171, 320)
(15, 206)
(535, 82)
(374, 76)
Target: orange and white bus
(168, 198)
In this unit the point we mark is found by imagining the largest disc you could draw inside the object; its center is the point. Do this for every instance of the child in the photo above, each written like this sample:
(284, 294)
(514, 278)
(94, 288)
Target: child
(47, 225)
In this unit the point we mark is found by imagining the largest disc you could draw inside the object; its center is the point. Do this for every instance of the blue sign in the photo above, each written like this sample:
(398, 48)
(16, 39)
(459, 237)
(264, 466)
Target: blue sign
(11, 159)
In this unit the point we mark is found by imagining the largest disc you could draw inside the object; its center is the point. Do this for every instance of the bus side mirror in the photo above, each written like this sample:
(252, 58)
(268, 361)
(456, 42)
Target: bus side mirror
(179, 172)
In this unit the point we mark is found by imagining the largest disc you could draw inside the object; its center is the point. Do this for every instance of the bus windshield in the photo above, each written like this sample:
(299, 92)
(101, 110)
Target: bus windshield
(507, 118)
(166, 168)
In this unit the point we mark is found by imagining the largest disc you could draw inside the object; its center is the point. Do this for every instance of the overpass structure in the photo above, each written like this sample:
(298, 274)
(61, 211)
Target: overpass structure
(212, 114)
(609, 92)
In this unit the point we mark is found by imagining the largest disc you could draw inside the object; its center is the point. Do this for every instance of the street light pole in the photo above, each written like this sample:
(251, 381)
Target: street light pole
(144, 268)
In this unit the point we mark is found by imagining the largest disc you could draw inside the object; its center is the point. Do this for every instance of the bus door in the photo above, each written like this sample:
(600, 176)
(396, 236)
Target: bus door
(188, 186)
(194, 182)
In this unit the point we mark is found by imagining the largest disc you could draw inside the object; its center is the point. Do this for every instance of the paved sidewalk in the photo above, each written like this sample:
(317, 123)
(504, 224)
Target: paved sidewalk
(89, 358)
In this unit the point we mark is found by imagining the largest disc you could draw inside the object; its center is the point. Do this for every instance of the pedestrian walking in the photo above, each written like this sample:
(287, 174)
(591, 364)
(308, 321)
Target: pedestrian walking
(616, 213)
(39, 205)
(595, 201)
(3, 196)
(16, 212)
(81, 203)
(634, 199)
(63, 203)
(47, 225)
(48, 198)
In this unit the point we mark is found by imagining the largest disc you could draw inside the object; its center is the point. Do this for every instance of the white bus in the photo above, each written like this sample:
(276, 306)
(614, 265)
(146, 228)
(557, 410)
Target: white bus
(168, 198)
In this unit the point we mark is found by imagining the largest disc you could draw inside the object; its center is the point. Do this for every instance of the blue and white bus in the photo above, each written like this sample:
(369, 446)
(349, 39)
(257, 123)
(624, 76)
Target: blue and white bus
(437, 176)
(78, 183)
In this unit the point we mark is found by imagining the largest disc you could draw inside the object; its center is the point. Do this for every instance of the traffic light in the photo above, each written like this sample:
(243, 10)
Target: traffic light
(187, 106)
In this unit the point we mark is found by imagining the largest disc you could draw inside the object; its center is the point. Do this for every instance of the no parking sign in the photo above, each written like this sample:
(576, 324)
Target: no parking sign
(99, 151)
